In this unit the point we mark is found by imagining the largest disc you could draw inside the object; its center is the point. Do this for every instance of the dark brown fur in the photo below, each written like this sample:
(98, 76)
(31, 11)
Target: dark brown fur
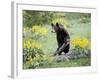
(62, 37)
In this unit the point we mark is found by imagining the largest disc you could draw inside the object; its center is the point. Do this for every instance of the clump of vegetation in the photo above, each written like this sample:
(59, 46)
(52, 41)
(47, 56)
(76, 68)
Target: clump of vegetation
(33, 56)
(81, 46)
(82, 43)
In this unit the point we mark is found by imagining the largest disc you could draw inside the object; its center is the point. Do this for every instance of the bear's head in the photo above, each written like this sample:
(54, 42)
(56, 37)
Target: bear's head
(55, 27)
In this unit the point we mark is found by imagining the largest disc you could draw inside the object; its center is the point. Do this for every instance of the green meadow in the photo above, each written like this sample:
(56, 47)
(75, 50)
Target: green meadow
(39, 43)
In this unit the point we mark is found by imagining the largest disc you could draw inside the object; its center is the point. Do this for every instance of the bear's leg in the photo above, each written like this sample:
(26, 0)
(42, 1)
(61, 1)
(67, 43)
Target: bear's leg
(59, 53)
(66, 50)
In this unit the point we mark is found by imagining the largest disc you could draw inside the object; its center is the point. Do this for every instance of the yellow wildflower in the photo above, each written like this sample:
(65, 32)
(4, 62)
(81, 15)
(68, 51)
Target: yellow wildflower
(44, 56)
(33, 45)
(39, 30)
(80, 42)
(39, 46)
(24, 45)
(28, 44)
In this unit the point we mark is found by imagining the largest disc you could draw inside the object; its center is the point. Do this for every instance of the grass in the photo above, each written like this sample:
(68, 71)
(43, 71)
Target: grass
(50, 44)
(71, 63)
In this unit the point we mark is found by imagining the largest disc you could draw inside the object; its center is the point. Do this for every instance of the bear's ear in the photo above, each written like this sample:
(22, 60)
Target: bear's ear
(57, 24)
(52, 24)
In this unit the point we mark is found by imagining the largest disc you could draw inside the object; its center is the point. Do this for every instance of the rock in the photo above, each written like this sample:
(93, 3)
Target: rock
(60, 58)
(72, 54)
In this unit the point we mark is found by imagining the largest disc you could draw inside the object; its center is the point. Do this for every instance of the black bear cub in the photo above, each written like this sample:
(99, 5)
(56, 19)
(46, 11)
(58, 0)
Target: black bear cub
(63, 38)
